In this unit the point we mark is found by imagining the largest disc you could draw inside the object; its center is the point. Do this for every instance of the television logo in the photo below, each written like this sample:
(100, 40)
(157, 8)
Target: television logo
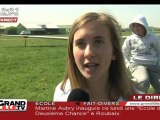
(8, 19)
(9, 15)
(13, 105)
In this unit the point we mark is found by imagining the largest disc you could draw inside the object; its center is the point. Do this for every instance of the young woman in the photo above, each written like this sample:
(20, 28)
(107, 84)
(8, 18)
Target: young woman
(95, 61)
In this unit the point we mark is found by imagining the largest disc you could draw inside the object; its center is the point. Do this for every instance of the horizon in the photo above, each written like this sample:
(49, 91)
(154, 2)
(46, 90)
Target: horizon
(69, 25)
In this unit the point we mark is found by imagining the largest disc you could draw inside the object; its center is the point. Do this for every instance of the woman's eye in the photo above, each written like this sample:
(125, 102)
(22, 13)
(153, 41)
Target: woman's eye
(97, 42)
(81, 44)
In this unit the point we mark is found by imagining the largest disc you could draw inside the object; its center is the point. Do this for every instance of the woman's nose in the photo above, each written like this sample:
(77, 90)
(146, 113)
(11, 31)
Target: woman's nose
(89, 51)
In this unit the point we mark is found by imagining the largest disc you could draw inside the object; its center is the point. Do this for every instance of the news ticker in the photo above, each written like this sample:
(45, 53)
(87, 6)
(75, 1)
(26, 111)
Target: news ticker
(136, 102)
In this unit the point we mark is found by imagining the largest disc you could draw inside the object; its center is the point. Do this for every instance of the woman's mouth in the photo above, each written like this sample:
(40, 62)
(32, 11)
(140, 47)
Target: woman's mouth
(91, 66)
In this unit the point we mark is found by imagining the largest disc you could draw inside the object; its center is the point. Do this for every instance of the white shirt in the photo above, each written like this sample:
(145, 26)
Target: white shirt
(61, 96)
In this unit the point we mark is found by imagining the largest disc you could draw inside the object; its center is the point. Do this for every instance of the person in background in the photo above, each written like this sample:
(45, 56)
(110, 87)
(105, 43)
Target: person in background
(95, 61)
(141, 52)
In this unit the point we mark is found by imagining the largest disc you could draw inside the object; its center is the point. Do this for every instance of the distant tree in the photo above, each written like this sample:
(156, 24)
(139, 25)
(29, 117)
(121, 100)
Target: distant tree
(20, 28)
(11, 30)
(1, 29)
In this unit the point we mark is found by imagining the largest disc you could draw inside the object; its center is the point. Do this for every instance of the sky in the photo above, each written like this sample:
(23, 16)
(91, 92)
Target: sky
(66, 14)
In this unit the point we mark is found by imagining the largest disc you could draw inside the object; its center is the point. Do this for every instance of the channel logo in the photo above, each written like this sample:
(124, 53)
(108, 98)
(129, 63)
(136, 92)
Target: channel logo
(13, 105)
(8, 19)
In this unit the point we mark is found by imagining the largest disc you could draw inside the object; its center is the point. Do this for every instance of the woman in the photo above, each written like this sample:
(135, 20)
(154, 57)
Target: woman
(95, 61)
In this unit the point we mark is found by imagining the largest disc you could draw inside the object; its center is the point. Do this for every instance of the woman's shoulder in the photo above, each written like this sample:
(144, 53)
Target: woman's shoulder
(59, 94)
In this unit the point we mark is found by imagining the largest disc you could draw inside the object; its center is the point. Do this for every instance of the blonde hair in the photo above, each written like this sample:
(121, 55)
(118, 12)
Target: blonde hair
(118, 80)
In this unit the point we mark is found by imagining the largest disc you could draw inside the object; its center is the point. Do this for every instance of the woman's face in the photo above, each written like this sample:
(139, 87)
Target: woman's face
(92, 51)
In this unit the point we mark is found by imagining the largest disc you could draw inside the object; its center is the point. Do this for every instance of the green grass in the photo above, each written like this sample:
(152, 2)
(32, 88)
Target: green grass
(127, 33)
(31, 72)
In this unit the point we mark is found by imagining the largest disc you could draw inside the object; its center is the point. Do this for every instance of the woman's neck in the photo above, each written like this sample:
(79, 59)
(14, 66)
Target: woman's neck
(98, 90)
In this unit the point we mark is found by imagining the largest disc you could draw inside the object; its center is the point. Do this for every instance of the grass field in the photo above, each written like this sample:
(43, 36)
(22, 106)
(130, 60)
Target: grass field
(31, 72)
